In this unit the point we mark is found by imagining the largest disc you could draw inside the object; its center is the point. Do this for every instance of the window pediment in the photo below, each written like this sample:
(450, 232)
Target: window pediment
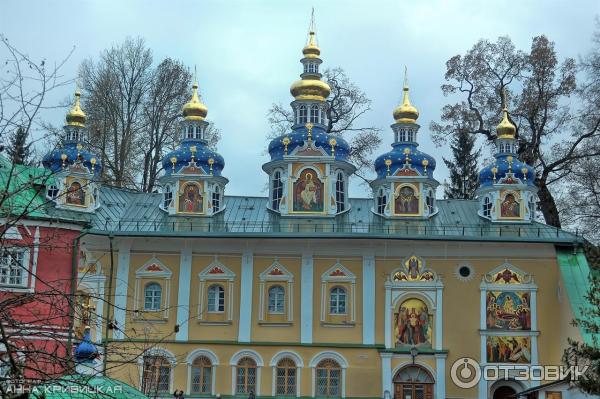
(338, 272)
(154, 268)
(276, 272)
(507, 274)
(216, 271)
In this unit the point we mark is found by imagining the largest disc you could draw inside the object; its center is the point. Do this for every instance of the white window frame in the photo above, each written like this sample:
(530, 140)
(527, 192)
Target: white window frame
(218, 305)
(23, 268)
(276, 190)
(340, 193)
(278, 301)
(155, 307)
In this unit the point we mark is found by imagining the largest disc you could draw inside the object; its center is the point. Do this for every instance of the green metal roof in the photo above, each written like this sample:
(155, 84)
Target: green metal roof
(127, 212)
(575, 271)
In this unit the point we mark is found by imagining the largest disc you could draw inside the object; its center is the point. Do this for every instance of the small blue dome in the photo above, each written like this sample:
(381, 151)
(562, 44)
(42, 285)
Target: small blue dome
(298, 137)
(54, 162)
(202, 155)
(486, 176)
(86, 350)
(398, 158)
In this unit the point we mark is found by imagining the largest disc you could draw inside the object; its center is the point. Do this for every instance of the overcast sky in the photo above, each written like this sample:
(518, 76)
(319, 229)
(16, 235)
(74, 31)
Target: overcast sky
(247, 52)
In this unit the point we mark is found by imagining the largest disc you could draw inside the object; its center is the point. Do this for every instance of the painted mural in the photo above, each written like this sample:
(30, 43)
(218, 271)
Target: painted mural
(508, 349)
(413, 324)
(413, 270)
(510, 207)
(308, 192)
(406, 201)
(75, 194)
(508, 310)
(190, 198)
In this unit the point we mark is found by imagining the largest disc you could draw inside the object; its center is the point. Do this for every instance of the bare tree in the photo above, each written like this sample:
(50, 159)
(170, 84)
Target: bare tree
(551, 134)
(346, 104)
(115, 88)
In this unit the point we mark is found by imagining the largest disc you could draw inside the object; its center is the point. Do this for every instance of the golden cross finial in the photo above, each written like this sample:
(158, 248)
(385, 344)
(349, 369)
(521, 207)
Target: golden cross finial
(309, 127)
(195, 74)
(504, 100)
(312, 29)
(405, 76)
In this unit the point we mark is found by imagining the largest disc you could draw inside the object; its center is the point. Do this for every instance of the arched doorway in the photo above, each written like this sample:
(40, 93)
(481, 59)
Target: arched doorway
(504, 392)
(413, 382)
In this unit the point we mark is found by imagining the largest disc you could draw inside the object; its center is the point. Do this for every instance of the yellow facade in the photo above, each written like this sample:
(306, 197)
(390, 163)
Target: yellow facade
(361, 339)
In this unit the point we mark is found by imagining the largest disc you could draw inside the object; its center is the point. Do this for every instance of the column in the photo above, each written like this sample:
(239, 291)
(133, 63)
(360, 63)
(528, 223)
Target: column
(388, 315)
(121, 284)
(439, 313)
(386, 374)
(440, 376)
(183, 294)
(306, 299)
(368, 312)
(246, 297)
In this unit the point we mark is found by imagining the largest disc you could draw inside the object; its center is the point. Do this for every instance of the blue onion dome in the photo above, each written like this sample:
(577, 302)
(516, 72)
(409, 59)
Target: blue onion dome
(71, 150)
(70, 153)
(194, 151)
(507, 168)
(86, 351)
(287, 143)
(401, 155)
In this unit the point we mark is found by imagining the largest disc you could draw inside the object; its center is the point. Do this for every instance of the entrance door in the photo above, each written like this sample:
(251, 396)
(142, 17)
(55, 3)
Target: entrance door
(413, 382)
(504, 392)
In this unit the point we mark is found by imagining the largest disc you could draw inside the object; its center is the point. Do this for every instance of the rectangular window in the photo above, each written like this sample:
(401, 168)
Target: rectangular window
(13, 268)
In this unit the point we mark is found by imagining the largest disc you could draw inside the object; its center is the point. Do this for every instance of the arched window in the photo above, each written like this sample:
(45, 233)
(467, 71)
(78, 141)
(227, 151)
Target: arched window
(410, 135)
(276, 299)
(323, 116)
(52, 192)
(314, 114)
(246, 376)
(340, 192)
(328, 378)
(276, 190)
(429, 201)
(202, 375)
(337, 300)
(152, 296)
(414, 382)
(402, 134)
(167, 196)
(156, 375)
(487, 206)
(302, 114)
(199, 132)
(313, 67)
(216, 298)
(216, 199)
(381, 201)
(190, 132)
(286, 378)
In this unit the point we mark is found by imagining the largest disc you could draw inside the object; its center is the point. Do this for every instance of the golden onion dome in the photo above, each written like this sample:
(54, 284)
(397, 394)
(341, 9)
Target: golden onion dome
(310, 89)
(505, 129)
(311, 50)
(195, 109)
(76, 116)
(406, 112)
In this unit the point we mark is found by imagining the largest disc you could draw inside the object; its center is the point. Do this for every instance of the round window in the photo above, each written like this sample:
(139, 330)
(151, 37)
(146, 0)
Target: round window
(464, 272)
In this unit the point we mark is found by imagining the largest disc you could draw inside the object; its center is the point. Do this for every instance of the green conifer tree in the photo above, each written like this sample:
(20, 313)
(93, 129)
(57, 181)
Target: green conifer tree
(18, 150)
(463, 167)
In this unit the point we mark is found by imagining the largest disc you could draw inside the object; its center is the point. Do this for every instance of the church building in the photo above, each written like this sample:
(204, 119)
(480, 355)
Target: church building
(307, 292)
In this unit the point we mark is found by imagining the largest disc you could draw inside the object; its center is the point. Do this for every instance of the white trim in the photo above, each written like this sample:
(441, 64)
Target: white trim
(409, 363)
(386, 374)
(368, 297)
(299, 365)
(226, 275)
(36, 251)
(234, 361)
(183, 294)
(121, 288)
(265, 277)
(214, 360)
(286, 353)
(440, 376)
(245, 322)
(389, 309)
(328, 355)
(164, 273)
(306, 299)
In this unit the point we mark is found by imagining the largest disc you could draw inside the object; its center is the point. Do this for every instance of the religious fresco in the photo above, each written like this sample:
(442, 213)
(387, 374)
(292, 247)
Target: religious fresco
(508, 349)
(406, 201)
(510, 207)
(75, 194)
(413, 270)
(308, 192)
(413, 324)
(190, 198)
(508, 310)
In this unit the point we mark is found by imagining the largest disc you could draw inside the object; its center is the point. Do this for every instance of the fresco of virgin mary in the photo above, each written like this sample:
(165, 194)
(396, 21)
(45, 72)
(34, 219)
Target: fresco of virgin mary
(308, 192)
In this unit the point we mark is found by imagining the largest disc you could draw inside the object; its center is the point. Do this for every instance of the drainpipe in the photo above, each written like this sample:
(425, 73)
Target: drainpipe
(72, 294)
(108, 303)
